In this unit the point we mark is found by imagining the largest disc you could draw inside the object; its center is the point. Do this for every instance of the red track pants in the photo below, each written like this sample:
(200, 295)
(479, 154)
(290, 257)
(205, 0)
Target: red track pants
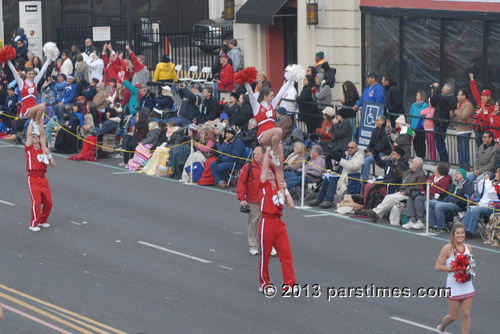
(39, 194)
(272, 232)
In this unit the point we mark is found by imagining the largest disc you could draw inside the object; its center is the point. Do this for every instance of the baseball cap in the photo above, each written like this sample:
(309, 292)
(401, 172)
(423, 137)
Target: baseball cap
(167, 88)
(486, 92)
(371, 75)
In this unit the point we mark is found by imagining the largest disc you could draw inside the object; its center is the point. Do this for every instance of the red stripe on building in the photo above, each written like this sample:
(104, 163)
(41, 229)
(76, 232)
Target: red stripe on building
(473, 6)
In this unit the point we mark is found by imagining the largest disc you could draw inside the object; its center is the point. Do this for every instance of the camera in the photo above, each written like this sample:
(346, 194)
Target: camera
(244, 208)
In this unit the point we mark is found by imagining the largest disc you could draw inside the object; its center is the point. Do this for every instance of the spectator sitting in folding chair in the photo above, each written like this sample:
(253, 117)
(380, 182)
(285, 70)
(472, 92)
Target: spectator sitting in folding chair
(231, 148)
(490, 192)
(313, 170)
(348, 163)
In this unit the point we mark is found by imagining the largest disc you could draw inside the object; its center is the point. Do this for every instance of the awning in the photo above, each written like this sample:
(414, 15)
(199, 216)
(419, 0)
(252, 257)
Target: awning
(259, 11)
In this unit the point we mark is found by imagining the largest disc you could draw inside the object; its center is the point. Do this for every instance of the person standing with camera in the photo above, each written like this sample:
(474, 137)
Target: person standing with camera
(248, 193)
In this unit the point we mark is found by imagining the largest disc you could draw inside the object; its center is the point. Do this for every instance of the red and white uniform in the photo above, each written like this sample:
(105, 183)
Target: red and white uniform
(265, 119)
(28, 96)
(38, 186)
(272, 232)
(264, 112)
(27, 87)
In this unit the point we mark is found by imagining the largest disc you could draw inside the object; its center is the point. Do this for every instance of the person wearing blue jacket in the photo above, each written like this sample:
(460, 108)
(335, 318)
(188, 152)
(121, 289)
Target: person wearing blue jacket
(232, 147)
(146, 100)
(67, 98)
(417, 123)
(374, 92)
(9, 108)
(190, 107)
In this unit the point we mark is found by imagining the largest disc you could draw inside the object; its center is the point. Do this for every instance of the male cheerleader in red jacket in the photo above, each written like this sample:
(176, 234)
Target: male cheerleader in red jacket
(272, 230)
(36, 165)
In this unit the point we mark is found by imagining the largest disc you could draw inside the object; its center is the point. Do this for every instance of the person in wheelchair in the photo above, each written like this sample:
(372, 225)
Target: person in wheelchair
(345, 163)
(462, 188)
(489, 190)
(313, 170)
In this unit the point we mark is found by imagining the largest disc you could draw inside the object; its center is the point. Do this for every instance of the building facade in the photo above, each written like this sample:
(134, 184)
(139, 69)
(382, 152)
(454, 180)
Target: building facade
(274, 33)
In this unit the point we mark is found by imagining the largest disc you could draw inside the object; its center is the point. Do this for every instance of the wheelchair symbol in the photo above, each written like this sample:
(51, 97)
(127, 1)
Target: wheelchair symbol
(371, 116)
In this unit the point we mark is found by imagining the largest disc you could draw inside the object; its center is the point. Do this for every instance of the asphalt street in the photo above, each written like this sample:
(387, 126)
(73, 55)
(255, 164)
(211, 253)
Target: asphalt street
(129, 253)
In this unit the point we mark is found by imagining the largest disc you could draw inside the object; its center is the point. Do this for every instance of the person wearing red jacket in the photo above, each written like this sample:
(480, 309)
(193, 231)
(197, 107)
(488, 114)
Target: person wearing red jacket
(141, 73)
(484, 109)
(226, 81)
(248, 193)
(114, 67)
(493, 122)
(326, 130)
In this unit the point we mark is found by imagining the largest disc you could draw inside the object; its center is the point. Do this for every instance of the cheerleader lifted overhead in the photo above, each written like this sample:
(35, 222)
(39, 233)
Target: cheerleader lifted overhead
(30, 109)
(263, 104)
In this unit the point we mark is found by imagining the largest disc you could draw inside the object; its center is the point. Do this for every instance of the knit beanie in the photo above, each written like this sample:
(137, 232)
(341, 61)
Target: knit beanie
(463, 172)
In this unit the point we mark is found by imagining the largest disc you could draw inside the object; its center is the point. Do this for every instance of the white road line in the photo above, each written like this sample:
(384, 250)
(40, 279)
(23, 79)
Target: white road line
(75, 223)
(432, 329)
(174, 252)
(116, 173)
(318, 215)
(6, 146)
(220, 265)
(35, 319)
(8, 203)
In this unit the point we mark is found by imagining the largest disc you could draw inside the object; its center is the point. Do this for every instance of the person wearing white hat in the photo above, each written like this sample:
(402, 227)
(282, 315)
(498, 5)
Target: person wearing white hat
(164, 102)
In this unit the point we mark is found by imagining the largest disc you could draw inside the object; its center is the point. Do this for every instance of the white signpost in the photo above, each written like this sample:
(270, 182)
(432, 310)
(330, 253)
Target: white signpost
(30, 19)
(101, 34)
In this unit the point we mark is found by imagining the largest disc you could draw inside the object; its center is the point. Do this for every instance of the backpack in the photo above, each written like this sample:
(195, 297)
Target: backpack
(250, 172)
(374, 196)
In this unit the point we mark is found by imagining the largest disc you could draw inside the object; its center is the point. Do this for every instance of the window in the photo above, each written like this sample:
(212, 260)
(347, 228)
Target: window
(421, 55)
(382, 45)
(493, 59)
(463, 53)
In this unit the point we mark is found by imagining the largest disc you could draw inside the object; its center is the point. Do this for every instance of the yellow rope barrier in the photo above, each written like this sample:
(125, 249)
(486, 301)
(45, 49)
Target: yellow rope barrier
(245, 159)
(89, 142)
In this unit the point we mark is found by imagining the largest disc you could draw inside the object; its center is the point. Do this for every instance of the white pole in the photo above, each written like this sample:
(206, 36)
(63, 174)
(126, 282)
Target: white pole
(303, 183)
(427, 209)
(191, 155)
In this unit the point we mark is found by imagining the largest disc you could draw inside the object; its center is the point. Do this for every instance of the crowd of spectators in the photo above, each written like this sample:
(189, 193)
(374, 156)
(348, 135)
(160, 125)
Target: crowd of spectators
(92, 93)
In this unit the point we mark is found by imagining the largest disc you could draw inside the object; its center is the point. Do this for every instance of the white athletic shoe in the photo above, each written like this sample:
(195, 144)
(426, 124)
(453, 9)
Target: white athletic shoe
(275, 158)
(273, 252)
(438, 330)
(409, 225)
(261, 289)
(253, 251)
(35, 229)
(44, 225)
(36, 128)
(122, 164)
(419, 225)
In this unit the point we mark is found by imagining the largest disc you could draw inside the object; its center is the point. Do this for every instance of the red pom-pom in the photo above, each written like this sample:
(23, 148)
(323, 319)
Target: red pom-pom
(7, 53)
(248, 74)
(461, 263)
(459, 266)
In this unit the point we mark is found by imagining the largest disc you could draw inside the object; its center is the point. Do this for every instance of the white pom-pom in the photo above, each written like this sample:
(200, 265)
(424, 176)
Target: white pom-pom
(51, 51)
(295, 73)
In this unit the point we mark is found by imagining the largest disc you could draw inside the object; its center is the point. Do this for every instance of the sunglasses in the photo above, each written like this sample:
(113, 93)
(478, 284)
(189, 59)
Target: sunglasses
(351, 147)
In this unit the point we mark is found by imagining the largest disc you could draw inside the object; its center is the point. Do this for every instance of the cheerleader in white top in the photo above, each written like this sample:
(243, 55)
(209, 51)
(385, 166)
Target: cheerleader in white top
(456, 259)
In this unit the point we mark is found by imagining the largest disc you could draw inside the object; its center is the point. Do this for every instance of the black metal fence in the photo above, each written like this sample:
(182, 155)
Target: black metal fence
(188, 48)
(185, 48)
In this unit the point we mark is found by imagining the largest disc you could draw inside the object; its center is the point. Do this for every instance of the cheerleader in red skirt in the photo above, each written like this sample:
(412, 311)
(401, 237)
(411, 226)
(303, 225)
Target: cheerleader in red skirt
(458, 280)
(27, 87)
(37, 160)
(272, 230)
